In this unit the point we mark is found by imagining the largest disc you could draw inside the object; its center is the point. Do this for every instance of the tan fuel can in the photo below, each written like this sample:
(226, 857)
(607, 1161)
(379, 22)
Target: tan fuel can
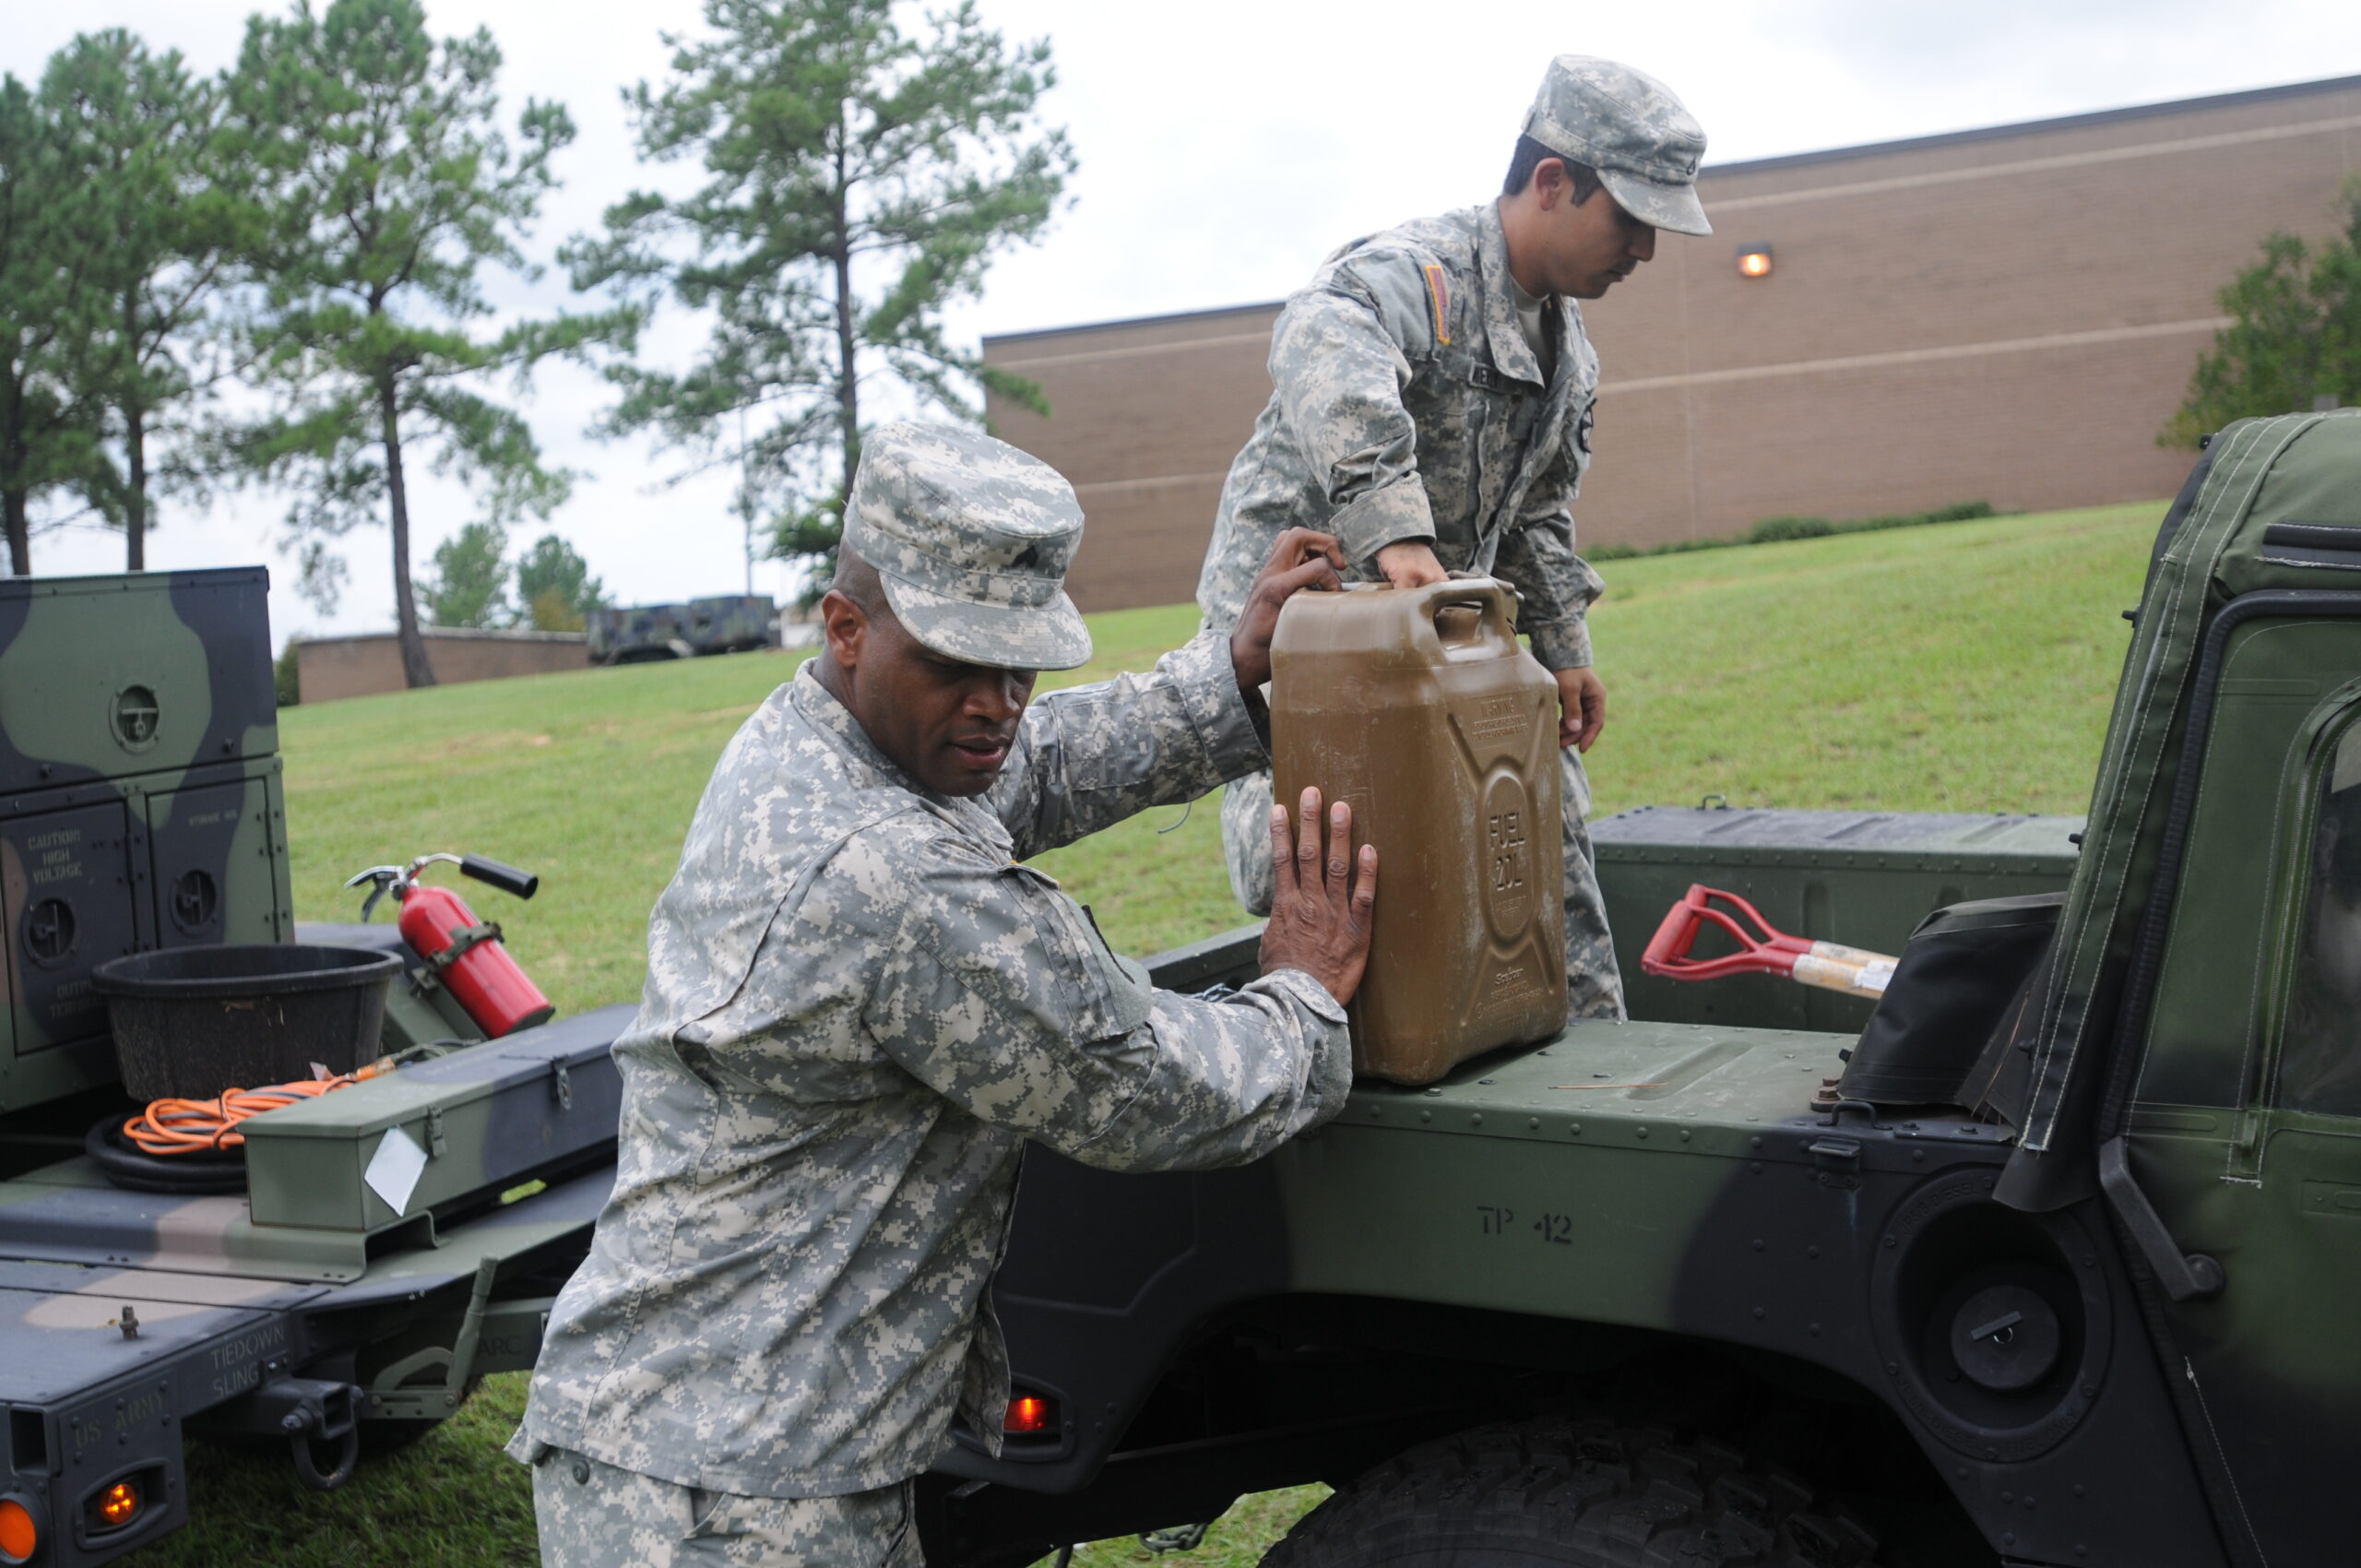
(1419, 707)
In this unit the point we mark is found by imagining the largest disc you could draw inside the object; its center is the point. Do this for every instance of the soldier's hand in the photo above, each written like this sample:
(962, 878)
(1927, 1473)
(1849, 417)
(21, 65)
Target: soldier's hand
(1582, 707)
(1410, 563)
(1299, 559)
(1320, 902)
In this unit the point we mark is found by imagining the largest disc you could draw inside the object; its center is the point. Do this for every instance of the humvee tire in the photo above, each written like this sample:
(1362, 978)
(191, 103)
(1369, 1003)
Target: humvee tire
(1585, 1493)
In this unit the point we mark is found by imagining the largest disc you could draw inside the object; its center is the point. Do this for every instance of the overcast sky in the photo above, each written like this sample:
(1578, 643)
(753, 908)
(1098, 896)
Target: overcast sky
(1225, 146)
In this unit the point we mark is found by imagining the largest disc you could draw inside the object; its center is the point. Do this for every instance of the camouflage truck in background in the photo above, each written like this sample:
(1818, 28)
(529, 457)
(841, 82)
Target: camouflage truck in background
(2053, 1259)
(643, 633)
(140, 807)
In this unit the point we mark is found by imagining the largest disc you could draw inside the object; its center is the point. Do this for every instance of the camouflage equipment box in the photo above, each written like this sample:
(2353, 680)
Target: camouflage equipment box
(140, 797)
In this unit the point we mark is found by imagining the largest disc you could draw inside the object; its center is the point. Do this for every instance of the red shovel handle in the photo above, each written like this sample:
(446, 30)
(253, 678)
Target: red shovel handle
(1773, 953)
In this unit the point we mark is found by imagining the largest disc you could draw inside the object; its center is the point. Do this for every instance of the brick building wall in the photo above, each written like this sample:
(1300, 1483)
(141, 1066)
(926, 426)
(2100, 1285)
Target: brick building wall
(2008, 316)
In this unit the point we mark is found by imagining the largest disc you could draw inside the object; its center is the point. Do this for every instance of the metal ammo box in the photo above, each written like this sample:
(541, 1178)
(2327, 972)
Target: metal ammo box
(1863, 878)
(140, 797)
(534, 1103)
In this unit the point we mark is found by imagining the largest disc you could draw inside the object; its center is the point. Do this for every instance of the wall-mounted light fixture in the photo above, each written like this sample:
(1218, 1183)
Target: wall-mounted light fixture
(1754, 261)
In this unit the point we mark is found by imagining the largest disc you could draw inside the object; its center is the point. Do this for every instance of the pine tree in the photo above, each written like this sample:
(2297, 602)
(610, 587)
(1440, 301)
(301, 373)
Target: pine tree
(161, 218)
(49, 439)
(389, 184)
(858, 179)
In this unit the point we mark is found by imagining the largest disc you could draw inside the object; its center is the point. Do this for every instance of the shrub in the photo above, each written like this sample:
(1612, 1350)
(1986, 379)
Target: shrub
(1779, 531)
(1775, 530)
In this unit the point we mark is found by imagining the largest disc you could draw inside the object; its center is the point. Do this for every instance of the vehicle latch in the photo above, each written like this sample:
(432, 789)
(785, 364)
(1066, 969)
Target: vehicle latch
(1838, 1156)
(436, 1145)
(563, 1082)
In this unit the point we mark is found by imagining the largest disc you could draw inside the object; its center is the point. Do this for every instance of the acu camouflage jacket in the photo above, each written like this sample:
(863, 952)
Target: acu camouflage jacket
(859, 1005)
(1406, 404)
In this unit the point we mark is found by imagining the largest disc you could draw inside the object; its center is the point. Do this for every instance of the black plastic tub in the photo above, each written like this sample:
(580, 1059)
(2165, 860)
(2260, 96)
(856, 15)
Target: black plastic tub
(190, 1022)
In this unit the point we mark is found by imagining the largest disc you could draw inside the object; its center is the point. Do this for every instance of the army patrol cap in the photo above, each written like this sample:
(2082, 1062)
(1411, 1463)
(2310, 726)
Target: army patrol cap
(1630, 127)
(972, 538)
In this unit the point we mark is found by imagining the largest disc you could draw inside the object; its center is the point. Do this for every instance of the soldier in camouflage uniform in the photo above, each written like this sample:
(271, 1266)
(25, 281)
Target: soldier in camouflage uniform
(860, 1003)
(1431, 407)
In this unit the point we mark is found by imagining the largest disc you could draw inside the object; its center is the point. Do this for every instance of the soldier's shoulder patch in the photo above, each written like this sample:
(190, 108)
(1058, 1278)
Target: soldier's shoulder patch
(1439, 299)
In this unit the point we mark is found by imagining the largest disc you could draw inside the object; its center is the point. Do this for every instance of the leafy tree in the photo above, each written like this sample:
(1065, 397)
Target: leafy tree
(556, 587)
(48, 440)
(470, 587)
(160, 219)
(858, 179)
(2297, 336)
(390, 185)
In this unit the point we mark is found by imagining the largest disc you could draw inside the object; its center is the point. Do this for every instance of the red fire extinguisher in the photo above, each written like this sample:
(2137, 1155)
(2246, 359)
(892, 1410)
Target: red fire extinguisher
(458, 951)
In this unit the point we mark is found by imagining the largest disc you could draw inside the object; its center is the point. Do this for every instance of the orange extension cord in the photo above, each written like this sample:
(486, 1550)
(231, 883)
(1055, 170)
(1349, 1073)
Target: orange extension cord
(189, 1126)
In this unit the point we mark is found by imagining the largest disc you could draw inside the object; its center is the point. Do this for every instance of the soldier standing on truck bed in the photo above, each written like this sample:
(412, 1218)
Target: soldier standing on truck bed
(860, 1004)
(1431, 407)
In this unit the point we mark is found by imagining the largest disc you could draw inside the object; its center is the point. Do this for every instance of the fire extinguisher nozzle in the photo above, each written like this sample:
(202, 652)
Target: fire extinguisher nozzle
(507, 878)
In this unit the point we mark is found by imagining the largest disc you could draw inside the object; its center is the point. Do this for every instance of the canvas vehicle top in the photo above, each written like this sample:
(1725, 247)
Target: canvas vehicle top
(1420, 710)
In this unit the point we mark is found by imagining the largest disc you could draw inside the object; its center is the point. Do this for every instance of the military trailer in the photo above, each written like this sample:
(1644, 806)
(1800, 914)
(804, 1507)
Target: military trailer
(377, 1250)
(2054, 1258)
(644, 633)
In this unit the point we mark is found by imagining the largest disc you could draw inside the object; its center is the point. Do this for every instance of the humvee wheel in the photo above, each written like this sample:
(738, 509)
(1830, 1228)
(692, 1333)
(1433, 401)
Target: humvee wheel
(1584, 1492)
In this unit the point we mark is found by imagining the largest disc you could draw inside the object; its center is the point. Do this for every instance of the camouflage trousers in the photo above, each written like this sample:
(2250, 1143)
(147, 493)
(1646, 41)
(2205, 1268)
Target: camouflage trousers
(594, 1515)
(1594, 982)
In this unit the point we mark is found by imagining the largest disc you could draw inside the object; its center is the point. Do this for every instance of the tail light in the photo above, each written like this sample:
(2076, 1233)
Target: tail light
(20, 1535)
(1030, 1415)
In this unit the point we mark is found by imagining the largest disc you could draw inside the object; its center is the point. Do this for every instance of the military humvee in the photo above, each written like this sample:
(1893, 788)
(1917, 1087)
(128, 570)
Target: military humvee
(309, 1300)
(641, 633)
(2056, 1259)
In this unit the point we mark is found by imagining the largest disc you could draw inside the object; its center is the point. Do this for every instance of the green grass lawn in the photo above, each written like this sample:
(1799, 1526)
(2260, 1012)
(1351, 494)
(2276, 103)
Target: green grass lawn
(1966, 667)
